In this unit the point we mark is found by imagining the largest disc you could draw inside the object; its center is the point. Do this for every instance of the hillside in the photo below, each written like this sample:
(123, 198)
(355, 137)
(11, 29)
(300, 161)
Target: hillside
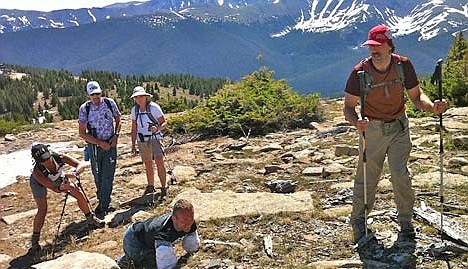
(309, 228)
(304, 40)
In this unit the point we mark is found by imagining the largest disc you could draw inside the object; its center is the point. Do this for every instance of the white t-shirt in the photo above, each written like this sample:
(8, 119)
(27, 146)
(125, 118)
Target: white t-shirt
(143, 120)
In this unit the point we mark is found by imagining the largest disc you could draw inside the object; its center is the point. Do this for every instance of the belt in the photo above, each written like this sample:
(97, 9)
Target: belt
(389, 121)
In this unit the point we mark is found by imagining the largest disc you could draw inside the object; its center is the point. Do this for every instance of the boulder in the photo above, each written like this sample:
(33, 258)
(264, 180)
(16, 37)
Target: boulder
(79, 260)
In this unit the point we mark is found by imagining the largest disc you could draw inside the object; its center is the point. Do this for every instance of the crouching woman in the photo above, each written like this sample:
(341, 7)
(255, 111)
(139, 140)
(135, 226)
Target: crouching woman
(48, 173)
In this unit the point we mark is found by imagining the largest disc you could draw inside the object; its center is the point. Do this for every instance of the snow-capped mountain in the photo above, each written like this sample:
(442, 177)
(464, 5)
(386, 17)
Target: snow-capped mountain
(425, 18)
(303, 40)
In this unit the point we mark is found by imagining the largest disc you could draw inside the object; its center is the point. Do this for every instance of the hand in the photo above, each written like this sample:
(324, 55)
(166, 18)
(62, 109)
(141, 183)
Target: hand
(113, 141)
(361, 124)
(154, 129)
(439, 107)
(65, 185)
(134, 152)
(81, 166)
(104, 145)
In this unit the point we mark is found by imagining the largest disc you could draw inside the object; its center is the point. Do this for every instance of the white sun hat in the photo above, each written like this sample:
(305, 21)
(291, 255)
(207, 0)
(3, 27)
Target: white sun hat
(138, 90)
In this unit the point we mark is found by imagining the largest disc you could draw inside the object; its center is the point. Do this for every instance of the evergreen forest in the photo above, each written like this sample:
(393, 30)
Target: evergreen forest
(216, 106)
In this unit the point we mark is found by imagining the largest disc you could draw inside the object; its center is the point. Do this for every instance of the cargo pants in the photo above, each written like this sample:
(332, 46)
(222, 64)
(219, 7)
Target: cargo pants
(391, 140)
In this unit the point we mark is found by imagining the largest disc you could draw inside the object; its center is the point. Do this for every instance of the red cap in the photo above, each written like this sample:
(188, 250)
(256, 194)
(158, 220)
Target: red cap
(378, 36)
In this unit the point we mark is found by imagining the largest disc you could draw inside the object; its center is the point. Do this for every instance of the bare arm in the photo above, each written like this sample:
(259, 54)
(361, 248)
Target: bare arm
(44, 181)
(88, 138)
(80, 166)
(350, 113)
(113, 140)
(422, 101)
(162, 123)
(349, 109)
(134, 135)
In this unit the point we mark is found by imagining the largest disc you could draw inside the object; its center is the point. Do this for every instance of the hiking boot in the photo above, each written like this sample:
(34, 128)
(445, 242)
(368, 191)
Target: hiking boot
(163, 192)
(407, 229)
(99, 213)
(125, 263)
(94, 222)
(35, 246)
(149, 189)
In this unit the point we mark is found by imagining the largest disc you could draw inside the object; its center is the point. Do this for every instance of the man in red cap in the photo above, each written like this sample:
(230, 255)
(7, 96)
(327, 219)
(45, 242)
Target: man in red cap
(386, 128)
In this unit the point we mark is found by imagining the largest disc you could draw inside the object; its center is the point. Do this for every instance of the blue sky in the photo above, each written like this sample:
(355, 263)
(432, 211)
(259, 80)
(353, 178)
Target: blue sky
(48, 5)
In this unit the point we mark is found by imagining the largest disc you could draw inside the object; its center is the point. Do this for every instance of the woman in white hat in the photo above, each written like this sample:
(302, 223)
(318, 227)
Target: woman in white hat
(148, 122)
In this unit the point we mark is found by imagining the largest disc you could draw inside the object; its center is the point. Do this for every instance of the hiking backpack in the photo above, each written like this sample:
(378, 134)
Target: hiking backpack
(399, 69)
(106, 100)
(88, 107)
(148, 113)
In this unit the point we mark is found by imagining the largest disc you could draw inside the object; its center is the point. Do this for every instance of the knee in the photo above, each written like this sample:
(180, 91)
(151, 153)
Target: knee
(41, 206)
(165, 257)
(191, 243)
(41, 213)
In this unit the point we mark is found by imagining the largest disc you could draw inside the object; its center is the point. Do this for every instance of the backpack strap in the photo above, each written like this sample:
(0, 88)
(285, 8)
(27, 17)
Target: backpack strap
(88, 107)
(399, 68)
(58, 160)
(368, 76)
(148, 113)
(106, 100)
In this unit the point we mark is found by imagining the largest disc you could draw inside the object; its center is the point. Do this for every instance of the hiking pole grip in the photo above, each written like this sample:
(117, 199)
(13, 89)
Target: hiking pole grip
(362, 85)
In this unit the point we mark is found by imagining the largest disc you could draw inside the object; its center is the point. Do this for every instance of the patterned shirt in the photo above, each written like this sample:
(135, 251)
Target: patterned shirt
(100, 117)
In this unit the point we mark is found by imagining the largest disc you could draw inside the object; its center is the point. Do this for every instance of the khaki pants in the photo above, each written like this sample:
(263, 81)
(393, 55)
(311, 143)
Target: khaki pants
(391, 140)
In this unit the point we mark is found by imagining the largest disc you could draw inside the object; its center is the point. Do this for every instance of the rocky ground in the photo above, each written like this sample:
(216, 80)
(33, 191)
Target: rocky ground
(238, 215)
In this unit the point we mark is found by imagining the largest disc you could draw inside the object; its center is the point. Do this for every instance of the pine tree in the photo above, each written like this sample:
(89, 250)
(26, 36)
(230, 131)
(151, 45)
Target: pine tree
(455, 77)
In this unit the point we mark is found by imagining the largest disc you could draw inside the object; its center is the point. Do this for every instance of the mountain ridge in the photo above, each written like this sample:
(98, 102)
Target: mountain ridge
(302, 40)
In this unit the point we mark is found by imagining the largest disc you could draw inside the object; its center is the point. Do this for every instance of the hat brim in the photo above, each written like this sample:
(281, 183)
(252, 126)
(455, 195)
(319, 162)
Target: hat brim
(372, 42)
(95, 91)
(141, 93)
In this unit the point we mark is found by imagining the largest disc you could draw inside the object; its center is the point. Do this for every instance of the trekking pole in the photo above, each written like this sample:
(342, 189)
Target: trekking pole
(96, 166)
(363, 93)
(78, 179)
(60, 223)
(163, 149)
(437, 79)
(170, 170)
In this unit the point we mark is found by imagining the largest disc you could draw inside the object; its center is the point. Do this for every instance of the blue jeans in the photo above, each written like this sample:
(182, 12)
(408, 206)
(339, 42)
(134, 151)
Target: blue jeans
(134, 250)
(103, 166)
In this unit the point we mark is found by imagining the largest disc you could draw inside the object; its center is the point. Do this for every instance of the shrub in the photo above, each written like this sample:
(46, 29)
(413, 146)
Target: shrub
(258, 102)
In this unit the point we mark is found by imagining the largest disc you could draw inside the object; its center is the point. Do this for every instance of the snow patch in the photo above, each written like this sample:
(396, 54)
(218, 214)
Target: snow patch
(220, 2)
(332, 17)
(24, 20)
(92, 16)
(19, 163)
(75, 22)
(180, 16)
(54, 24)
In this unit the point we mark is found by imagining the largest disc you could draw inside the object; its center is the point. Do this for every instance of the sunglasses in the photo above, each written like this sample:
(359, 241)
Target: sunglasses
(44, 157)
